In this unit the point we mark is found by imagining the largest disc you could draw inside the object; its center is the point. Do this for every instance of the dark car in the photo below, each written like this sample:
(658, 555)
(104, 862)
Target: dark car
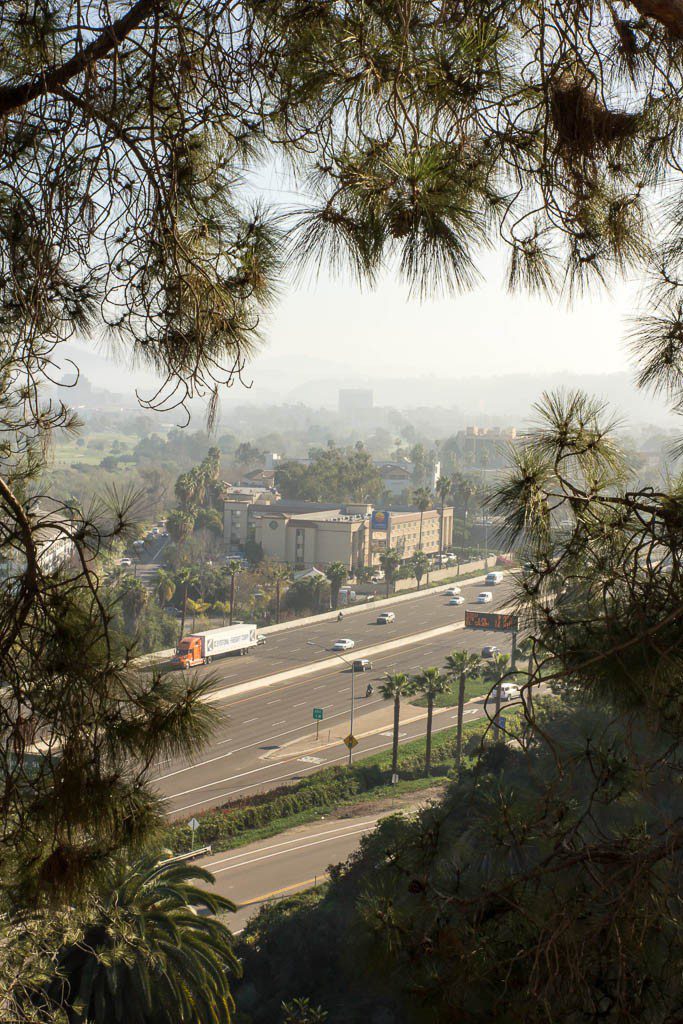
(362, 665)
(489, 651)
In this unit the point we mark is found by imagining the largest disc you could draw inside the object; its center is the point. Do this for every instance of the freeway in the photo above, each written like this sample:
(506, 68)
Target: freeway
(266, 735)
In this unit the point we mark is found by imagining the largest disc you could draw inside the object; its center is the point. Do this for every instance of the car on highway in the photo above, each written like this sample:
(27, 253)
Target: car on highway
(343, 645)
(458, 599)
(489, 651)
(494, 577)
(484, 597)
(508, 691)
(260, 639)
(384, 617)
(126, 561)
(452, 592)
(362, 665)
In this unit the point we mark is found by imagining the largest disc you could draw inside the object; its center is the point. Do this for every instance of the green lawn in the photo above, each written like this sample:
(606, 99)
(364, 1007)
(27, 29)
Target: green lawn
(473, 688)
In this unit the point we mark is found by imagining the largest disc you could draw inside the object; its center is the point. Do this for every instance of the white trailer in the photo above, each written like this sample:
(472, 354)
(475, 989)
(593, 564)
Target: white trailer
(202, 648)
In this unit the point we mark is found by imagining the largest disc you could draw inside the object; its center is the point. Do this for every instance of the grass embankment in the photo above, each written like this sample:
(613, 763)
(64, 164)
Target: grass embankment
(265, 814)
(476, 687)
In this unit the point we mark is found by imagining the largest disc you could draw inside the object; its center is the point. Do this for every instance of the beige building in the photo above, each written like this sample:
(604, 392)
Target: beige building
(315, 538)
(306, 534)
(404, 532)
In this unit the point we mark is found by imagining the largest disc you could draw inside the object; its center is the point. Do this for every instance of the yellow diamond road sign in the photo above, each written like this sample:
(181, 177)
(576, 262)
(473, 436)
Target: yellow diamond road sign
(351, 741)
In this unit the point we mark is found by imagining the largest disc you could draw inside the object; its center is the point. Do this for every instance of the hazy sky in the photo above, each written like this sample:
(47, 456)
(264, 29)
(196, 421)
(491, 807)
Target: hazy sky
(483, 331)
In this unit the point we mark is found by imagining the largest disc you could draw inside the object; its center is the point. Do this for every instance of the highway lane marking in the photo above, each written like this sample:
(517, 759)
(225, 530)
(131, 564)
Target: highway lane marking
(240, 854)
(282, 722)
(278, 778)
(247, 746)
(278, 892)
(331, 670)
(249, 720)
(220, 742)
(408, 640)
(300, 705)
(306, 846)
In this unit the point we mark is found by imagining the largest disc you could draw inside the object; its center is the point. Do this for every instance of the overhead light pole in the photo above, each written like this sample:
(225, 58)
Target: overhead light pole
(312, 643)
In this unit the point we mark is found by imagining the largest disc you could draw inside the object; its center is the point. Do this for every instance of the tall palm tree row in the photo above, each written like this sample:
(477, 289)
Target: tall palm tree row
(461, 665)
(396, 686)
(431, 683)
(149, 951)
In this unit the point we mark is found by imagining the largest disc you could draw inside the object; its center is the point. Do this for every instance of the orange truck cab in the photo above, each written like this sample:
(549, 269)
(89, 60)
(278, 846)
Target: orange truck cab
(189, 652)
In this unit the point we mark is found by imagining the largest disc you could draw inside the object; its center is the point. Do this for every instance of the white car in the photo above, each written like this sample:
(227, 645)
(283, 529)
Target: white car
(126, 561)
(457, 599)
(485, 597)
(452, 592)
(508, 691)
(343, 645)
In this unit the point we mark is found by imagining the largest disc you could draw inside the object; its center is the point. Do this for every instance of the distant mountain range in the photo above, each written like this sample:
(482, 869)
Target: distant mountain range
(314, 381)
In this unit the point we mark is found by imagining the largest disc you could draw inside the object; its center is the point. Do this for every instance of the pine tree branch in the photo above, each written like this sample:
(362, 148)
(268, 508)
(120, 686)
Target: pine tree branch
(48, 80)
(668, 13)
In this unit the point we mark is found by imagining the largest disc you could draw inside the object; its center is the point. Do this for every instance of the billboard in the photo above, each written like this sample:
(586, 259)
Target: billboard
(503, 622)
(380, 520)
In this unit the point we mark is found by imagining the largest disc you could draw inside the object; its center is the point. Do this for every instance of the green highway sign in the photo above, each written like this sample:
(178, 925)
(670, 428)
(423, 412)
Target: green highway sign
(317, 714)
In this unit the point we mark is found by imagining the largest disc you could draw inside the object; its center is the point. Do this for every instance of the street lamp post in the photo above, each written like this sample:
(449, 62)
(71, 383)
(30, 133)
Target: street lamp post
(312, 643)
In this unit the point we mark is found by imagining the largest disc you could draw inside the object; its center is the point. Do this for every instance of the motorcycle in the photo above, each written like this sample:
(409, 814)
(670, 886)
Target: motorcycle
(370, 689)
(340, 616)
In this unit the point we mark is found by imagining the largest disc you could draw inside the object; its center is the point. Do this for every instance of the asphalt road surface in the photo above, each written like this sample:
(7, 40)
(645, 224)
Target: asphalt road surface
(283, 865)
(249, 751)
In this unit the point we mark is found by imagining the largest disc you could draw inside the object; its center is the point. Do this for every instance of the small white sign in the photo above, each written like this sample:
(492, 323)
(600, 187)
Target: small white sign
(394, 779)
(193, 824)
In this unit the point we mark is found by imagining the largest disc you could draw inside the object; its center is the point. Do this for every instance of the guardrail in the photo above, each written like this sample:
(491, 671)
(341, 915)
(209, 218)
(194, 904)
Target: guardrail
(199, 852)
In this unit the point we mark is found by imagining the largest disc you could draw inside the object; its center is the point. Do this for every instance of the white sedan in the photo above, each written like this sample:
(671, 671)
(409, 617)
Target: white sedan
(484, 597)
(458, 599)
(126, 561)
(343, 645)
(452, 591)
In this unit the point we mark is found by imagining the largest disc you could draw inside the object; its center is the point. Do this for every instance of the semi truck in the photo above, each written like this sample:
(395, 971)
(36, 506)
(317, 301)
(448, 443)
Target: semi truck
(202, 648)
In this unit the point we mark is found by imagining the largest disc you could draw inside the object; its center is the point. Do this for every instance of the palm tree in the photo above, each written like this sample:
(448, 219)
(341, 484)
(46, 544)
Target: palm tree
(134, 598)
(397, 685)
(461, 665)
(144, 954)
(279, 573)
(165, 588)
(465, 490)
(423, 499)
(197, 608)
(233, 568)
(430, 682)
(389, 560)
(494, 672)
(443, 489)
(336, 573)
(222, 608)
(420, 565)
(186, 579)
